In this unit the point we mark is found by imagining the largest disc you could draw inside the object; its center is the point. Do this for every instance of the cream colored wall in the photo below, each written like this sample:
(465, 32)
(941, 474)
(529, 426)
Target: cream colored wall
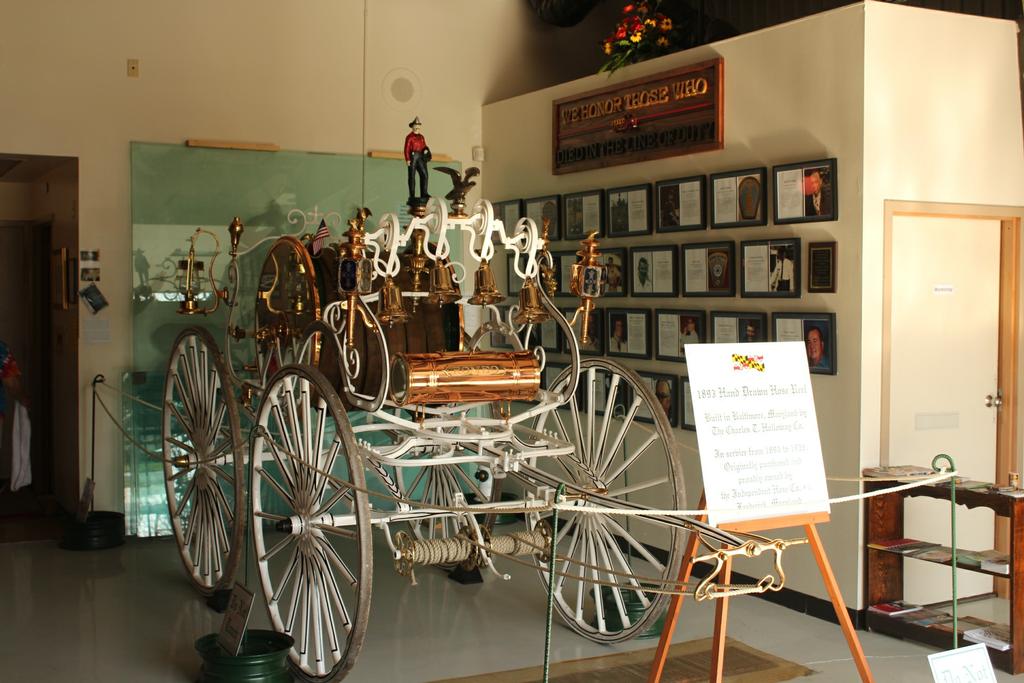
(259, 70)
(793, 93)
(943, 121)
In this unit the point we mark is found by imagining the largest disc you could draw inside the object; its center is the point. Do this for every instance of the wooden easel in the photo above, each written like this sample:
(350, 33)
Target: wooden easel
(808, 522)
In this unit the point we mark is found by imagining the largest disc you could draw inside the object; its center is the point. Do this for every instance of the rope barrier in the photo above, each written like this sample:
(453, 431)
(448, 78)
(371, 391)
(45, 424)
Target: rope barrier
(130, 397)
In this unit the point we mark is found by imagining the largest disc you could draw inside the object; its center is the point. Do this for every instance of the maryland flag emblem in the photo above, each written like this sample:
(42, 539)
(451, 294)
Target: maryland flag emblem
(741, 362)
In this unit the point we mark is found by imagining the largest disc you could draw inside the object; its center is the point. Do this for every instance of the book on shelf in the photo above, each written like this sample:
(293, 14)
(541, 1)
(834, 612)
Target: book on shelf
(995, 561)
(940, 553)
(973, 484)
(963, 624)
(894, 608)
(1011, 492)
(902, 545)
(927, 617)
(996, 636)
(896, 471)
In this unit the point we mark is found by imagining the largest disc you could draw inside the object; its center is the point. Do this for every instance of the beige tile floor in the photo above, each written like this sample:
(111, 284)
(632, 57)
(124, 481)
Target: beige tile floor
(127, 614)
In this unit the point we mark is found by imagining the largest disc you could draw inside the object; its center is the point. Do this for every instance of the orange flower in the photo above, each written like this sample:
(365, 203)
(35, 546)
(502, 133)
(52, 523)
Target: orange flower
(650, 22)
(666, 24)
(607, 48)
(662, 41)
(636, 37)
(627, 9)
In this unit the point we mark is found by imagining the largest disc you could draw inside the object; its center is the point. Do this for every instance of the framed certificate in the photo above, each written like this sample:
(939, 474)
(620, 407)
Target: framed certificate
(674, 329)
(629, 210)
(818, 333)
(584, 214)
(709, 269)
(681, 204)
(666, 393)
(822, 258)
(629, 332)
(539, 208)
(806, 192)
(654, 271)
(739, 198)
(728, 327)
(770, 268)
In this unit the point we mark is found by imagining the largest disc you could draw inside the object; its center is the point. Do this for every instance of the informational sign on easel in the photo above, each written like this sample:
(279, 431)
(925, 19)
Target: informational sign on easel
(757, 430)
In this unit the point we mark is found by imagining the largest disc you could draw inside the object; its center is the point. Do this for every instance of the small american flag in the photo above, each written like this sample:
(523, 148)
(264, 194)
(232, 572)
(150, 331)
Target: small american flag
(320, 237)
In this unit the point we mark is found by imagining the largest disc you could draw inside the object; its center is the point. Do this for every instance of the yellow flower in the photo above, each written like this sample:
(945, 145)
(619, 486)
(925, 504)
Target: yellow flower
(662, 41)
(636, 37)
(650, 22)
(607, 48)
(666, 24)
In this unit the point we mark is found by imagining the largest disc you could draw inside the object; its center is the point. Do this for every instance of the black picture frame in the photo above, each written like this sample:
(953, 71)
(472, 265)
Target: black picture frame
(748, 326)
(622, 219)
(709, 269)
(597, 333)
(616, 264)
(509, 212)
(656, 382)
(659, 283)
(620, 347)
(799, 326)
(513, 282)
(562, 262)
(770, 268)
(674, 202)
(547, 335)
(685, 324)
(739, 199)
(806, 192)
(548, 206)
(687, 420)
(575, 207)
(822, 267)
(551, 371)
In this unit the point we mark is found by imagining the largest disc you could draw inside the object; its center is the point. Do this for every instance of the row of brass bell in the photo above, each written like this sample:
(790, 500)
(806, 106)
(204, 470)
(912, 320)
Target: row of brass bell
(391, 306)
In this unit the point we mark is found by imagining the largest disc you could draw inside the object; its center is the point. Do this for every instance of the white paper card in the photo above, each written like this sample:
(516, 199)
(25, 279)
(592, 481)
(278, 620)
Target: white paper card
(591, 213)
(236, 616)
(637, 210)
(790, 193)
(689, 203)
(964, 665)
(668, 333)
(637, 330)
(696, 270)
(755, 268)
(757, 430)
(725, 200)
(663, 274)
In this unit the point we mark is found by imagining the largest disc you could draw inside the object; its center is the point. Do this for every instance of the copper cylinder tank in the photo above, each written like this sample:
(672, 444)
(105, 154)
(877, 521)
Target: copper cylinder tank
(463, 377)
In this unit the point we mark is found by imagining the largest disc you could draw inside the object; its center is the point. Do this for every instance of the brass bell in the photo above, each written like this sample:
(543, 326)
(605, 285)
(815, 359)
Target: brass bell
(485, 292)
(531, 311)
(390, 309)
(443, 290)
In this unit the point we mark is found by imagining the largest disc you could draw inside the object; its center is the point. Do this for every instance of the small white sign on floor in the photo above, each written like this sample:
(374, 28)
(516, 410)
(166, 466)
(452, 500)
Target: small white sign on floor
(236, 616)
(963, 665)
(760, 455)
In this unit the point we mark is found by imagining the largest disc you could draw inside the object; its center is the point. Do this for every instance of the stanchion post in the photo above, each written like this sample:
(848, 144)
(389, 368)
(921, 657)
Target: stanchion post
(952, 535)
(559, 495)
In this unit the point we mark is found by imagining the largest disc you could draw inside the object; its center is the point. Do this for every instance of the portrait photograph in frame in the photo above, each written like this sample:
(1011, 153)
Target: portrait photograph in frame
(597, 333)
(654, 271)
(629, 332)
(616, 270)
(731, 327)
(681, 204)
(628, 210)
(687, 420)
(674, 329)
(509, 212)
(739, 199)
(806, 192)
(818, 333)
(770, 268)
(563, 262)
(539, 208)
(709, 269)
(822, 260)
(666, 393)
(584, 213)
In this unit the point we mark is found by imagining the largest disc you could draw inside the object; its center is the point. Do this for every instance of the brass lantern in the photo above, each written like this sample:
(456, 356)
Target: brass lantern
(587, 281)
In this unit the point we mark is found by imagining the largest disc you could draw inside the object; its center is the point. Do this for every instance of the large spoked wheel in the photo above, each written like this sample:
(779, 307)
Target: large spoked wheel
(203, 461)
(311, 534)
(625, 450)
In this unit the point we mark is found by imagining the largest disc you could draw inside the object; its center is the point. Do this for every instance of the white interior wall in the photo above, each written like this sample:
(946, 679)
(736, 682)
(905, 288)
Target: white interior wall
(793, 93)
(254, 70)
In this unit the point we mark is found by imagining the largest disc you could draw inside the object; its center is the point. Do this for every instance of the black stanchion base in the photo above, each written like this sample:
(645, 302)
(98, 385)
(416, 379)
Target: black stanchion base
(465, 576)
(218, 602)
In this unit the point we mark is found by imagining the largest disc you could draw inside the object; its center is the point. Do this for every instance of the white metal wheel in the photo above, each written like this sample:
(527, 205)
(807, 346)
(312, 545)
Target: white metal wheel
(311, 536)
(203, 457)
(625, 450)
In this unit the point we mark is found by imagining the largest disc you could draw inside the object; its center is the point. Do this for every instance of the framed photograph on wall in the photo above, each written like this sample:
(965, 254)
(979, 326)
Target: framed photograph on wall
(547, 335)
(539, 208)
(666, 393)
(551, 372)
(563, 261)
(584, 213)
(597, 334)
(512, 280)
(628, 210)
(674, 329)
(629, 332)
(681, 204)
(616, 268)
(729, 327)
(709, 269)
(818, 333)
(688, 421)
(806, 192)
(739, 199)
(822, 259)
(654, 271)
(509, 212)
(770, 268)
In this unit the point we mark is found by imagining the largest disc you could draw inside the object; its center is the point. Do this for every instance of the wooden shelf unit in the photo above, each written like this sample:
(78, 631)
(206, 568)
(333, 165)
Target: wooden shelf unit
(883, 575)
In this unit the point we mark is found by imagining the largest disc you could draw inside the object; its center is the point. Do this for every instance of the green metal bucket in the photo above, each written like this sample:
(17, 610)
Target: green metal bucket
(262, 659)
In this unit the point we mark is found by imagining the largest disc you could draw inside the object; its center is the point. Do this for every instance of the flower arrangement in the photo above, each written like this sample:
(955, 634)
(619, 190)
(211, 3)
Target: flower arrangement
(642, 33)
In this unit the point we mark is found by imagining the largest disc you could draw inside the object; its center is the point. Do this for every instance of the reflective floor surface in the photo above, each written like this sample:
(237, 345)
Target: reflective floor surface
(128, 614)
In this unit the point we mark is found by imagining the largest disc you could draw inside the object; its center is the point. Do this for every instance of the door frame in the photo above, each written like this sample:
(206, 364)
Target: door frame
(1009, 362)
